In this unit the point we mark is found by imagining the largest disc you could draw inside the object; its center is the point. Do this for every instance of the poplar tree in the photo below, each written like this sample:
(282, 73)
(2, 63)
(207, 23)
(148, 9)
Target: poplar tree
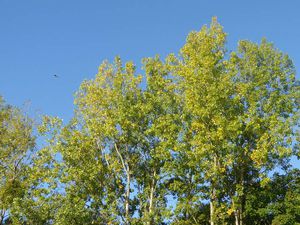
(162, 120)
(99, 149)
(16, 146)
(267, 119)
(241, 115)
(206, 88)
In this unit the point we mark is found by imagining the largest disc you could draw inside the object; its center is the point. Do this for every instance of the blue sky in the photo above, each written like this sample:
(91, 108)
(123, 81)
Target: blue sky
(71, 38)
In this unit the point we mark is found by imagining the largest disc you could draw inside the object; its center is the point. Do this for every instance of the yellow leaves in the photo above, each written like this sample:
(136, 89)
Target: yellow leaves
(259, 156)
(206, 47)
(264, 181)
(230, 211)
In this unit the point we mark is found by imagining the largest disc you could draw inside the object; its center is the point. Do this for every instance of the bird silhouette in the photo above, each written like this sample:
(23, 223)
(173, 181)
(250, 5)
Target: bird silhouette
(55, 76)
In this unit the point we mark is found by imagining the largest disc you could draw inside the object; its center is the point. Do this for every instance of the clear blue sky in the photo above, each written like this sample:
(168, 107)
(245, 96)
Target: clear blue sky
(70, 38)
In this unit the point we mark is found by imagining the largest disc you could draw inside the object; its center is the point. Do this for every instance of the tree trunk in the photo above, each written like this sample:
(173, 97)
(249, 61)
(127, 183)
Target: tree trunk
(212, 211)
(151, 198)
(238, 209)
(127, 197)
(238, 213)
(241, 195)
(241, 215)
(213, 196)
(236, 216)
(127, 193)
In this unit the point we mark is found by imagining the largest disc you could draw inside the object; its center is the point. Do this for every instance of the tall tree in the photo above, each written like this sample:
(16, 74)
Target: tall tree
(206, 89)
(100, 150)
(267, 117)
(241, 114)
(16, 145)
(162, 120)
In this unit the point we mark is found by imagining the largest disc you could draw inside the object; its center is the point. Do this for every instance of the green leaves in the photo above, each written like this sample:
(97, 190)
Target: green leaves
(204, 128)
(16, 144)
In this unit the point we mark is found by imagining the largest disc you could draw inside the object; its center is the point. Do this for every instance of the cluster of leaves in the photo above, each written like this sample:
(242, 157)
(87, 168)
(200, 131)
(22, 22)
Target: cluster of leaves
(193, 141)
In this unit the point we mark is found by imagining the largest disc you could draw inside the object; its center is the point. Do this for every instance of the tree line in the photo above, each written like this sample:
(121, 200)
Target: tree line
(204, 136)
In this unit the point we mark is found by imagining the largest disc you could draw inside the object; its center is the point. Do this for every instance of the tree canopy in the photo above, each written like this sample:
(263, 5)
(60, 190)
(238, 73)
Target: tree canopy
(204, 136)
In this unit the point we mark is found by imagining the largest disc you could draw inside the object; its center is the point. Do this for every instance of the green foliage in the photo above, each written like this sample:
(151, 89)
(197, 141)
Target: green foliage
(204, 128)
(16, 143)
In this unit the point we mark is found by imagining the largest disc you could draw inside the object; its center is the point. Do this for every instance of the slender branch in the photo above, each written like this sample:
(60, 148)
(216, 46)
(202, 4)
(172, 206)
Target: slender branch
(121, 158)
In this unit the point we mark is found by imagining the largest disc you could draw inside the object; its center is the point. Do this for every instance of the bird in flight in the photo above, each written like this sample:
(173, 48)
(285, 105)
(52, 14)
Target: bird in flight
(56, 76)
